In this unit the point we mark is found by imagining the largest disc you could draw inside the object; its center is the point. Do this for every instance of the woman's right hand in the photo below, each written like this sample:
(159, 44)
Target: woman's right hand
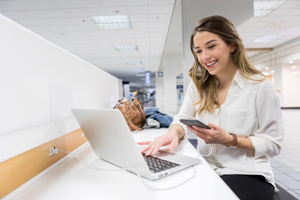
(169, 139)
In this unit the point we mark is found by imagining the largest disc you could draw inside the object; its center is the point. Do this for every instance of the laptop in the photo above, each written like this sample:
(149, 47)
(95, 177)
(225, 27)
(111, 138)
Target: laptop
(112, 141)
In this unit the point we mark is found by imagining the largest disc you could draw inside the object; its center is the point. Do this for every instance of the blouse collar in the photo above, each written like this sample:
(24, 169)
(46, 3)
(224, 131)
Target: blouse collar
(239, 79)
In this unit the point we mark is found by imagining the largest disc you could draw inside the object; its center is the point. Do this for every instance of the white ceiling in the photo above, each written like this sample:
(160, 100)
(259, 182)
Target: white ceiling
(68, 24)
(284, 21)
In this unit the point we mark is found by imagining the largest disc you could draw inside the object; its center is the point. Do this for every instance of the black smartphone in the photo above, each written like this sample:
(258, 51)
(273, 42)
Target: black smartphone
(193, 122)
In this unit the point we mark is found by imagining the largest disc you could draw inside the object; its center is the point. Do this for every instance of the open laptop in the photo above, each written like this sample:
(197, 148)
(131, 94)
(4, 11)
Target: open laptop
(112, 141)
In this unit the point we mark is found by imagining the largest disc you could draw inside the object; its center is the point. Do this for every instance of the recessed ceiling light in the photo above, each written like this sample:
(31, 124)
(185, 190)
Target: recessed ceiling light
(134, 63)
(112, 21)
(261, 13)
(263, 8)
(126, 48)
(294, 67)
(272, 72)
(268, 38)
(265, 5)
(295, 72)
(291, 62)
(267, 68)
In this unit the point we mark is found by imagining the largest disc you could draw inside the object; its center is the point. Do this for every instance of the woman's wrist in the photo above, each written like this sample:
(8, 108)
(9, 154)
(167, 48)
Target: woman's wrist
(176, 130)
(228, 139)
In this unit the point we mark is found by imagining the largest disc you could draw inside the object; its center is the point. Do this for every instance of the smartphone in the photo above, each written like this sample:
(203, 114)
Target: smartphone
(193, 122)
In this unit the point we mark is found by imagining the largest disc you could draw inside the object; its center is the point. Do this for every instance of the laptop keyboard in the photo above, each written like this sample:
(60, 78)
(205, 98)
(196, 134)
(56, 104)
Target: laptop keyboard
(157, 164)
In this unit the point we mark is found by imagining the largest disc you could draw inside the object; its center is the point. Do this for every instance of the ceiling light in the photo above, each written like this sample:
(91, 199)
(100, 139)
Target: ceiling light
(126, 48)
(112, 21)
(268, 38)
(294, 67)
(266, 5)
(295, 72)
(261, 13)
(264, 73)
(267, 68)
(291, 62)
(272, 72)
(263, 8)
(140, 75)
(134, 63)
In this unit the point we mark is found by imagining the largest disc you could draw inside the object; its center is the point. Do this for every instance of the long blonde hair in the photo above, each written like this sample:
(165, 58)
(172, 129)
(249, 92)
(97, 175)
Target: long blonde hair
(206, 84)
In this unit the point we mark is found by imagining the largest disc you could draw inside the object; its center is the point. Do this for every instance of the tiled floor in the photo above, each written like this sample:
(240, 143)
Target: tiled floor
(286, 166)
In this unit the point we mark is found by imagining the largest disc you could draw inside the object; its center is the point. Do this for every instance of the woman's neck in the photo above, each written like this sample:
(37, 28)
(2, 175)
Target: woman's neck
(225, 78)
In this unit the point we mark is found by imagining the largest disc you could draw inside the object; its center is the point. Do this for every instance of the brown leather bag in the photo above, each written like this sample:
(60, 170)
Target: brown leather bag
(133, 113)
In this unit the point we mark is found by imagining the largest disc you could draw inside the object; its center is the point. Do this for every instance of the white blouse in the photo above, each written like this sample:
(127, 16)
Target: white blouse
(251, 110)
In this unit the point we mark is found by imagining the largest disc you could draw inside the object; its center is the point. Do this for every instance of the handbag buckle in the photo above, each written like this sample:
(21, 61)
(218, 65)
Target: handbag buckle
(127, 116)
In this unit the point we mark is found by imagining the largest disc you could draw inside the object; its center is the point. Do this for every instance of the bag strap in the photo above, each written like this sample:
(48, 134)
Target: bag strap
(133, 126)
(138, 105)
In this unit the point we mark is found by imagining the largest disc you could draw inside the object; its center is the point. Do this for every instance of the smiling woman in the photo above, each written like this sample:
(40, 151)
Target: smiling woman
(217, 47)
(238, 104)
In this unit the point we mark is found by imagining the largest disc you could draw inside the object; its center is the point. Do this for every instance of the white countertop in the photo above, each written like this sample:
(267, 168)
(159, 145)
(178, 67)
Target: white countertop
(73, 179)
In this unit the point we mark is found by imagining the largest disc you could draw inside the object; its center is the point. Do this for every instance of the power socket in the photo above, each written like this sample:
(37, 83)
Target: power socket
(52, 151)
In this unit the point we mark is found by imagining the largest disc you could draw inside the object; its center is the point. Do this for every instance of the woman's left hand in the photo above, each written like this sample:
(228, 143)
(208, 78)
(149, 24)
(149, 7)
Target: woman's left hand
(215, 135)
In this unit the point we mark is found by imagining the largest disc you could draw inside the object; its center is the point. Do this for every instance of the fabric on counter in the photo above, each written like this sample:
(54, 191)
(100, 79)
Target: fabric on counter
(154, 114)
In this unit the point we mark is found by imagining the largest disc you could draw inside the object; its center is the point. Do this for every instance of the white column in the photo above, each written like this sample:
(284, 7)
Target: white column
(159, 91)
(172, 67)
(277, 77)
(126, 89)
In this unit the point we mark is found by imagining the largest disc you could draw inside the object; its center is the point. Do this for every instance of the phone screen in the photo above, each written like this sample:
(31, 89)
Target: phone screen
(193, 122)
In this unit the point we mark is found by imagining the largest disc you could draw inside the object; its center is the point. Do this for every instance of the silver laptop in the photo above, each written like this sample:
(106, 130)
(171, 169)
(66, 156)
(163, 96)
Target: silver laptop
(112, 141)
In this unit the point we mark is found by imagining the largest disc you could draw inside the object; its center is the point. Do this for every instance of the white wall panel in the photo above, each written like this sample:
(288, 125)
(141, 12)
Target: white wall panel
(24, 88)
(15, 143)
(29, 64)
(291, 82)
(61, 102)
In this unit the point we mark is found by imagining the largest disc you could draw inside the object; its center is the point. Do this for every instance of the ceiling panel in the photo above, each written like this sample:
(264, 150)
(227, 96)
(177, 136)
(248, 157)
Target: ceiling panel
(19, 5)
(68, 24)
(284, 22)
(137, 10)
(4, 7)
(136, 2)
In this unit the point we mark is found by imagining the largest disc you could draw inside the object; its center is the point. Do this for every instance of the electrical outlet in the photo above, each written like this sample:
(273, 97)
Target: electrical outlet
(83, 134)
(51, 151)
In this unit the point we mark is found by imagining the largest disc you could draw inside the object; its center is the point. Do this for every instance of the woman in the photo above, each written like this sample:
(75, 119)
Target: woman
(239, 105)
